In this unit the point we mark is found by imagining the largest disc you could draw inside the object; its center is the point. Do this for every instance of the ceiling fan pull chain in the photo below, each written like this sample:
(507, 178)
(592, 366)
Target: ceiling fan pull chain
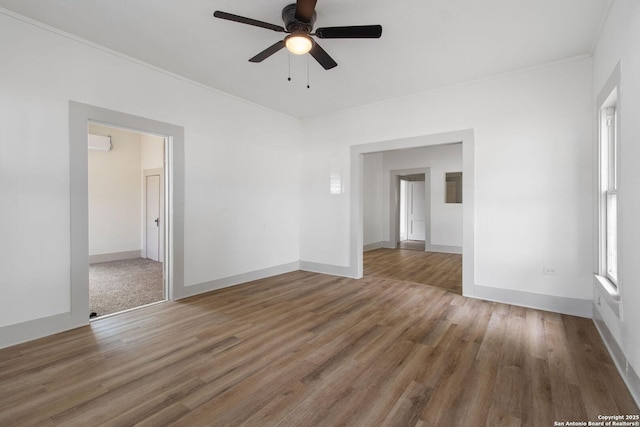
(308, 86)
(289, 78)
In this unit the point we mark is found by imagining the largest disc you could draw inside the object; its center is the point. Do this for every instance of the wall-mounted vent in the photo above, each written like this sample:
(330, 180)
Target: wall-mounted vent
(99, 143)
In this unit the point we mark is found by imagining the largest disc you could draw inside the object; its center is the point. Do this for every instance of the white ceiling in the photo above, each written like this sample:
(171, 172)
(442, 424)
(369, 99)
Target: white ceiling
(425, 44)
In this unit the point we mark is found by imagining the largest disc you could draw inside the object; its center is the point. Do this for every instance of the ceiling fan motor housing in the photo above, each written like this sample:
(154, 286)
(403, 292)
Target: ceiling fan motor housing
(292, 24)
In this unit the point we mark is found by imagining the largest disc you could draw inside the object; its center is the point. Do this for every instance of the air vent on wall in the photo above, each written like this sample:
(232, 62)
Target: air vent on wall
(99, 143)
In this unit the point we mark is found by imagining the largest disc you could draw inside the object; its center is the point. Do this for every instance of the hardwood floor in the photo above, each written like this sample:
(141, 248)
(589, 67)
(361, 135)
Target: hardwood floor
(305, 349)
(413, 245)
(429, 268)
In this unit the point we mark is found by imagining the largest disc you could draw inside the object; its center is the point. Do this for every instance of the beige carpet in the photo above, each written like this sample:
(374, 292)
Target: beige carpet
(121, 285)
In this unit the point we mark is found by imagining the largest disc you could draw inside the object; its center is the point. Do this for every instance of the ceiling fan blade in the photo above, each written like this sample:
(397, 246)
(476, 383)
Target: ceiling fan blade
(268, 52)
(322, 57)
(304, 10)
(248, 21)
(352, 32)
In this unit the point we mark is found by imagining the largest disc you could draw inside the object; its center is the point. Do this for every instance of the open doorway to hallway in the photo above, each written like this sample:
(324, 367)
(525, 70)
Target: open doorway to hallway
(410, 232)
(126, 205)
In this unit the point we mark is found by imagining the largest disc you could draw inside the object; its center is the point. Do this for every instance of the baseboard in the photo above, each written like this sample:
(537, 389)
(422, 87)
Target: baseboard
(115, 256)
(332, 270)
(238, 279)
(372, 246)
(626, 371)
(37, 328)
(428, 247)
(556, 304)
(443, 248)
(633, 384)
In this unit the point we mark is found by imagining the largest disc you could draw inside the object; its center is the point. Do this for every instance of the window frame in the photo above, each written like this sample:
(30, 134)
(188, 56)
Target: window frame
(609, 189)
(609, 280)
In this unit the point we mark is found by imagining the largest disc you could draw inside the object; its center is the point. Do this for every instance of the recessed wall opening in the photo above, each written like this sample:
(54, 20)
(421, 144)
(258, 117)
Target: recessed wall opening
(411, 233)
(362, 155)
(81, 117)
(127, 227)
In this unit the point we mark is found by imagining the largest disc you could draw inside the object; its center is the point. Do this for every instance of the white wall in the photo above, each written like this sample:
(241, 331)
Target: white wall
(115, 194)
(620, 43)
(242, 183)
(151, 151)
(372, 200)
(533, 200)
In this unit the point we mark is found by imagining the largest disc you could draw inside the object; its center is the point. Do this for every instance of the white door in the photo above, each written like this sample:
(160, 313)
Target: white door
(403, 210)
(152, 221)
(416, 210)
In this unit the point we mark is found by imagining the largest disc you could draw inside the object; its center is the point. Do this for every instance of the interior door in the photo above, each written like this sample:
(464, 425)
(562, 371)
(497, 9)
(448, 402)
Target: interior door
(152, 220)
(416, 210)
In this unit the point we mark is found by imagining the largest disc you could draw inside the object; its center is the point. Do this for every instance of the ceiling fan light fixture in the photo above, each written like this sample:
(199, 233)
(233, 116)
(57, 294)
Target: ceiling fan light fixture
(298, 44)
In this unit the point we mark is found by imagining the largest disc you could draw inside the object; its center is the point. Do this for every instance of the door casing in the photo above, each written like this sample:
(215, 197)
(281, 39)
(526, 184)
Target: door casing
(79, 117)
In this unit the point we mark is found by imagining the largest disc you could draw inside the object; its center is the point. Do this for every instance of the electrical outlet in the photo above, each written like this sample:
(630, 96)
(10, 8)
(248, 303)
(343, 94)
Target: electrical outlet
(549, 271)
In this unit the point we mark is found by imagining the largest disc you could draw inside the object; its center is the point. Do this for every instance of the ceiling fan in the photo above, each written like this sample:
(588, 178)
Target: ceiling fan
(298, 21)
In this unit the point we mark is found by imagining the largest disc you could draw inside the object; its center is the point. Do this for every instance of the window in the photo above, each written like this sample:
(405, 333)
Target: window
(609, 189)
(453, 191)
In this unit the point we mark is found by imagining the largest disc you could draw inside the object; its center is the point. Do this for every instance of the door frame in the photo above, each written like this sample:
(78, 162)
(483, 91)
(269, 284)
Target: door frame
(394, 203)
(467, 138)
(80, 115)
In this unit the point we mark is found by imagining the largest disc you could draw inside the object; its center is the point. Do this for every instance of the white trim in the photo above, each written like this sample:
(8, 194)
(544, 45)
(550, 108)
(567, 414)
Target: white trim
(373, 246)
(114, 256)
(556, 304)
(388, 244)
(332, 270)
(602, 285)
(443, 248)
(36, 328)
(604, 288)
(609, 96)
(139, 62)
(238, 279)
(625, 369)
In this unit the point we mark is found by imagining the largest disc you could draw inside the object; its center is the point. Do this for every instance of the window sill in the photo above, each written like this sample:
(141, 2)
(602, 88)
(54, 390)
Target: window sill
(608, 294)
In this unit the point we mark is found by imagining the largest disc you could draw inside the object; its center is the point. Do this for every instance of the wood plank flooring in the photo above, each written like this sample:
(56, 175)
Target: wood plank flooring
(413, 245)
(305, 349)
(429, 268)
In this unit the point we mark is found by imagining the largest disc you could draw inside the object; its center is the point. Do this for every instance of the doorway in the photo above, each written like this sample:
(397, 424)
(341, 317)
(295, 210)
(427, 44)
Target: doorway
(126, 220)
(358, 154)
(80, 115)
(412, 212)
